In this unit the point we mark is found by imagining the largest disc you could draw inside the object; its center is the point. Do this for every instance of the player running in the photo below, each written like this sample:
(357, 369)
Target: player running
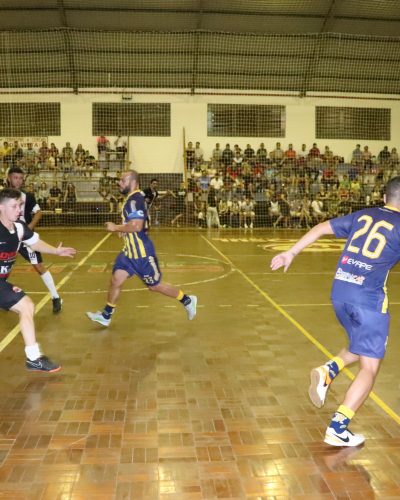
(138, 256)
(360, 302)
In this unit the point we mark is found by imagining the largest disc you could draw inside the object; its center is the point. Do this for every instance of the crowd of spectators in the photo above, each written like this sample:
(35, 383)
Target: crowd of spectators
(284, 187)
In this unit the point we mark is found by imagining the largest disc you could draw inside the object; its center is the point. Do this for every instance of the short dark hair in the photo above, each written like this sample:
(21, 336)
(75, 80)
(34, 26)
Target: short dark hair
(16, 170)
(9, 193)
(154, 179)
(393, 189)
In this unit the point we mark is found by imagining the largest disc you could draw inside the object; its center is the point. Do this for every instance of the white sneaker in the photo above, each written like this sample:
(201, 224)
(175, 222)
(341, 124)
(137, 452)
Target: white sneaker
(98, 318)
(191, 308)
(246, 226)
(319, 385)
(345, 438)
(251, 226)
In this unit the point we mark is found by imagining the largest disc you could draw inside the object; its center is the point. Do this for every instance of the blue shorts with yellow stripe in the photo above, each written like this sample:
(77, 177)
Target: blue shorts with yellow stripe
(367, 330)
(146, 268)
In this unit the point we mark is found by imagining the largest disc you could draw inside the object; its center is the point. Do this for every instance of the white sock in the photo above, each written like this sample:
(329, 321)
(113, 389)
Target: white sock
(33, 351)
(49, 282)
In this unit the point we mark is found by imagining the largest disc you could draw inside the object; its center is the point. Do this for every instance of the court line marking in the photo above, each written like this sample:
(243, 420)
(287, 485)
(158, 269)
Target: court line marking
(15, 331)
(386, 408)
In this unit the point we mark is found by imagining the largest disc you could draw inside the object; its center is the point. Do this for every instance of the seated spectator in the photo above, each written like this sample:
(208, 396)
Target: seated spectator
(204, 184)
(216, 158)
(317, 206)
(16, 154)
(290, 153)
(43, 195)
(314, 151)
(67, 157)
(249, 154)
(53, 150)
(30, 158)
(367, 157)
(277, 154)
(43, 152)
(70, 197)
(50, 162)
(284, 209)
(384, 156)
(55, 196)
(90, 163)
(227, 157)
(80, 153)
(376, 196)
(303, 153)
(357, 154)
(328, 154)
(5, 156)
(305, 216)
(247, 213)
(237, 149)
(217, 183)
(262, 155)
(237, 160)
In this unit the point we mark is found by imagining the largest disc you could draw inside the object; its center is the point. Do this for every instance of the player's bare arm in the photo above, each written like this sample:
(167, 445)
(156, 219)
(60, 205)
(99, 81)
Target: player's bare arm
(284, 259)
(133, 226)
(42, 246)
(35, 220)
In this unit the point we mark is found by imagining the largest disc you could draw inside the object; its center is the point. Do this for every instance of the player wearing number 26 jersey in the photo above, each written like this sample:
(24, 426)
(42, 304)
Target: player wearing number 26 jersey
(360, 303)
(371, 250)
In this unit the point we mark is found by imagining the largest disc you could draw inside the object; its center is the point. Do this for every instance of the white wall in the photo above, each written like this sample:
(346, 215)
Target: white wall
(165, 154)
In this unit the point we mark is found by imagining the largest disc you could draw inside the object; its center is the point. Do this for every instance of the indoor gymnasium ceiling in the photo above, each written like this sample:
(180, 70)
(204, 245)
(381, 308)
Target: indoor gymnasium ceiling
(291, 45)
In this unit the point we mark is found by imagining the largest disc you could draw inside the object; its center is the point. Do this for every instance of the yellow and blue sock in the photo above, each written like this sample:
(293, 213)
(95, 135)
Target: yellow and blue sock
(334, 366)
(108, 310)
(183, 299)
(341, 419)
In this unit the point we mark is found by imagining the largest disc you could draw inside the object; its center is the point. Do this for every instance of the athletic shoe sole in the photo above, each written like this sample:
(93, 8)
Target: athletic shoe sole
(44, 371)
(315, 379)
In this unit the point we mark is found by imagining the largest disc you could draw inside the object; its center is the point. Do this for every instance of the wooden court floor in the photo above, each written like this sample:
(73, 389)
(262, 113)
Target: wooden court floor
(157, 407)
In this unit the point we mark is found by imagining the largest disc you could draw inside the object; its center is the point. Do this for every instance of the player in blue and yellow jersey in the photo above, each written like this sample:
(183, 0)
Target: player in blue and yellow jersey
(360, 302)
(138, 256)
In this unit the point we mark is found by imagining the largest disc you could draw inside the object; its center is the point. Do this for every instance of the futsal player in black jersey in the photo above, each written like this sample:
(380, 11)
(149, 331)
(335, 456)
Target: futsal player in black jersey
(13, 233)
(31, 214)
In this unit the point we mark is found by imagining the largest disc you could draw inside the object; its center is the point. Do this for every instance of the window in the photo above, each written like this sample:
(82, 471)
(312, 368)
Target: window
(352, 123)
(24, 119)
(138, 119)
(246, 120)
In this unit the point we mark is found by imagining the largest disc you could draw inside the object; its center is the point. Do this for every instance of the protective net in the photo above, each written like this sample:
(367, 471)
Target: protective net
(79, 106)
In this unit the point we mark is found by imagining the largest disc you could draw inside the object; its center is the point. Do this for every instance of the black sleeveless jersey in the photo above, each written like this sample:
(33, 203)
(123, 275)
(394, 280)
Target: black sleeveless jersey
(10, 242)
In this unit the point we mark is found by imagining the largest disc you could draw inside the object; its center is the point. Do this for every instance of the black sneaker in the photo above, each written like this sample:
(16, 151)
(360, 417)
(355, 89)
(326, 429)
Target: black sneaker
(42, 364)
(57, 305)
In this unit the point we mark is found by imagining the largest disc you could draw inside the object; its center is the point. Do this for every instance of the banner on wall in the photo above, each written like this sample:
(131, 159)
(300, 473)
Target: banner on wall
(24, 141)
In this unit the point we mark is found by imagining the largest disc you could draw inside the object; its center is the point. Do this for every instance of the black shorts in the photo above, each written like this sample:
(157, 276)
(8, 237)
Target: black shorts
(30, 255)
(8, 296)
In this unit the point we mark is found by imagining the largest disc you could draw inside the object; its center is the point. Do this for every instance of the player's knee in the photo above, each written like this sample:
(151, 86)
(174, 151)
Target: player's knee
(154, 288)
(27, 307)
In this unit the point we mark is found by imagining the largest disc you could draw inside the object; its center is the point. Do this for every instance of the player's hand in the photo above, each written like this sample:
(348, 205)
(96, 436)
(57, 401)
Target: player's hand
(110, 226)
(283, 259)
(65, 251)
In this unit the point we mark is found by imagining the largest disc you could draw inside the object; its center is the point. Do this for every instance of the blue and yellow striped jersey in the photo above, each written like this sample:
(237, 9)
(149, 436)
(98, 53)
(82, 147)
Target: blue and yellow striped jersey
(371, 250)
(136, 245)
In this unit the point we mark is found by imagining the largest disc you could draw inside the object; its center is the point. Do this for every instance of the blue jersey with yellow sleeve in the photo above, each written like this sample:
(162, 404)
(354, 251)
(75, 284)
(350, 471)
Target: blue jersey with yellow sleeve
(136, 245)
(371, 250)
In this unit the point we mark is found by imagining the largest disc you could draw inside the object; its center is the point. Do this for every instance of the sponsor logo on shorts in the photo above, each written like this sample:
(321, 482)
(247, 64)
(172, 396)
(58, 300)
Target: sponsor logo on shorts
(356, 263)
(349, 277)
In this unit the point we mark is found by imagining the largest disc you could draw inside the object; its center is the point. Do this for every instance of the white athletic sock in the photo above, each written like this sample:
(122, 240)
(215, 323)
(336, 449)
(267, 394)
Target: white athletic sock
(33, 351)
(49, 282)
